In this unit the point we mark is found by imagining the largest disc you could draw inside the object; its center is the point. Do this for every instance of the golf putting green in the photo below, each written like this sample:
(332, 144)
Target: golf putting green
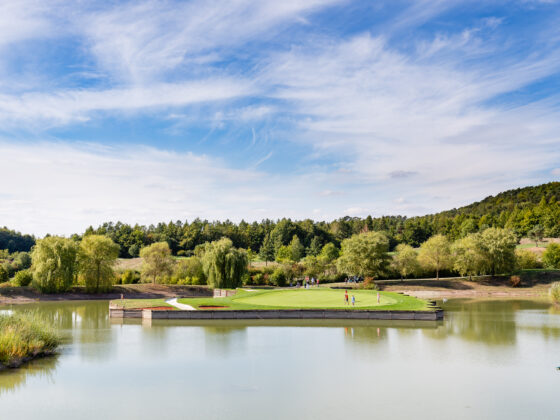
(318, 298)
(315, 298)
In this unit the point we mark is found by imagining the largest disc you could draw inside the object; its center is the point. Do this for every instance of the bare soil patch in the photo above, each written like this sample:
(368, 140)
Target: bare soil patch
(20, 295)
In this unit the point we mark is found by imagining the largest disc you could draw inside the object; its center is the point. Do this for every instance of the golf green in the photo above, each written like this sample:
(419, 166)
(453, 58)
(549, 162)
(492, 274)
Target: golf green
(319, 298)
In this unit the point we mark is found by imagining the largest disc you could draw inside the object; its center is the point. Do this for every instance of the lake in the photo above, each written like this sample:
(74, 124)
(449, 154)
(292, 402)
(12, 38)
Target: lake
(486, 360)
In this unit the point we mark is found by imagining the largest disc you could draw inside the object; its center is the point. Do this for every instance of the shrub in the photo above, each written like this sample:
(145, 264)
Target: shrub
(188, 267)
(551, 256)
(369, 284)
(130, 277)
(278, 277)
(23, 260)
(554, 292)
(22, 278)
(4, 276)
(515, 281)
(259, 279)
(198, 281)
(526, 259)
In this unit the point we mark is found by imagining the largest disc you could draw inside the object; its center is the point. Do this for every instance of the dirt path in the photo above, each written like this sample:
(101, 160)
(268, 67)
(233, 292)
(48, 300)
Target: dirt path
(182, 306)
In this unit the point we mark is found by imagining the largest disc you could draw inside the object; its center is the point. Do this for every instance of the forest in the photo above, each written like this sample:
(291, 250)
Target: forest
(529, 211)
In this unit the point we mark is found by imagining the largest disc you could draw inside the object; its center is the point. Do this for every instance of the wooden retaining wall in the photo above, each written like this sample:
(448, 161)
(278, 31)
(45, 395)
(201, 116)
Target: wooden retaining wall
(293, 314)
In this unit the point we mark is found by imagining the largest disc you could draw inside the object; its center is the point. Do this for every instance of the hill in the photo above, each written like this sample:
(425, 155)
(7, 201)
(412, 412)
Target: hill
(520, 210)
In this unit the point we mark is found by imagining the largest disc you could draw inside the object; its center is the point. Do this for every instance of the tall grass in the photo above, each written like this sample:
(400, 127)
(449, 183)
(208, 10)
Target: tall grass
(25, 335)
(554, 292)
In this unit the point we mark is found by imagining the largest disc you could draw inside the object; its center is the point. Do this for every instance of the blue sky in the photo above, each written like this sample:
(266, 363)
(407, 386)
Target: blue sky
(148, 111)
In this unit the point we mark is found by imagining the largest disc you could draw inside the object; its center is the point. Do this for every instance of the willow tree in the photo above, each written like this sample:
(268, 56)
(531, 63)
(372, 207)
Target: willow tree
(467, 260)
(435, 254)
(405, 260)
(364, 255)
(157, 261)
(98, 255)
(497, 250)
(54, 264)
(224, 265)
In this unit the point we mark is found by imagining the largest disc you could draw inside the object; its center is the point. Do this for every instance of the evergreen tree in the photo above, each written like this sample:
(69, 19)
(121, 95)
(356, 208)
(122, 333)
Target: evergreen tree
(267, 249)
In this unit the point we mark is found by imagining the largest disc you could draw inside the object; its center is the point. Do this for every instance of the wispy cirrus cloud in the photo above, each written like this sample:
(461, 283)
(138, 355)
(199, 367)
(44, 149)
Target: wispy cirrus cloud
(299, 109)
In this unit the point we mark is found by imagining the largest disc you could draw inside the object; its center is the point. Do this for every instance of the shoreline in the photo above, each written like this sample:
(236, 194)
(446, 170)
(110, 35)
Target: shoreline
(26, 295)
(534, 286)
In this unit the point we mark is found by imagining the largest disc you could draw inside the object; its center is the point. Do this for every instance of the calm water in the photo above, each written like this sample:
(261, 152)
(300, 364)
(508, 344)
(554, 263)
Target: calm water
(487, 360)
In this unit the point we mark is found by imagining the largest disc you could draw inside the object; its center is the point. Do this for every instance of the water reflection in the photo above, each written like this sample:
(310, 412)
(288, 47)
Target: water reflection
(12, 380)
(141, 370)
(494, 323)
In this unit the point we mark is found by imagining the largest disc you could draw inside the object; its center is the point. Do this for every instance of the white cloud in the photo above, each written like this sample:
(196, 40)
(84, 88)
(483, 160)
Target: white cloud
(66, 106)
(62, 188)
(139, 41)
(424, 125)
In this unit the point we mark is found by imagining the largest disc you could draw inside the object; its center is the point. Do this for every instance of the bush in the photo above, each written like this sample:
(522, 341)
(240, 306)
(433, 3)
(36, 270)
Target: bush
(4, 276)
(23, 260)
(369, 284)
(259, 279)
(130, 277)
(554, 292)
(551, 256)
(526, 259)
(515, 281)
(22, 278)
(198, 281)
(278, 278)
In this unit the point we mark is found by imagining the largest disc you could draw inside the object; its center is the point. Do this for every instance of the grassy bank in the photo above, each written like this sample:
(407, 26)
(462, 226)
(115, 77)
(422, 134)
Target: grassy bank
(24, 336)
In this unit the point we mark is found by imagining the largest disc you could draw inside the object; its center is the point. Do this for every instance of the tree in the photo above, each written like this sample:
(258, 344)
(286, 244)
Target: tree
(224, 265)
(405, 260)
(315, 246)
(536, 234)
(284, 254)
(98, 255)
(435, 254)
(54, 264)
(466, 257)
(296, 248)
(551, 256)
(330, 252)
(189, 268)
(267, 250)
(497, 250)
(365, 255)
(157, 261)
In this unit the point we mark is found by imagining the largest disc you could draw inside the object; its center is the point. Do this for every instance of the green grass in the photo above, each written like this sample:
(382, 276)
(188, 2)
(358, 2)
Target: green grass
(141, 303)
(542, 245)
(311, 299)
(25, 335)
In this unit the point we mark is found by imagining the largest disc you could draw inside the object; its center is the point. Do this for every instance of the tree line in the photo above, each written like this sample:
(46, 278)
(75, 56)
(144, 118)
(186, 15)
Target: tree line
(531, 211)
(57, 263)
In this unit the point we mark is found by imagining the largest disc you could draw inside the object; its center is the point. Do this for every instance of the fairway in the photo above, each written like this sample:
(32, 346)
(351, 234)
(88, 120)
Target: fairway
(320, 298)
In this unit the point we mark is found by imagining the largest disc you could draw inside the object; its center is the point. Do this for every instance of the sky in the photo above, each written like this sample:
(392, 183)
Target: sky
(149, 111)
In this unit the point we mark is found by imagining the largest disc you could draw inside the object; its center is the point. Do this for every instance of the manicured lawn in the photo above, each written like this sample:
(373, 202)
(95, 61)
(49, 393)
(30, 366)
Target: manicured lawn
(310, 299)
(141, 303)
